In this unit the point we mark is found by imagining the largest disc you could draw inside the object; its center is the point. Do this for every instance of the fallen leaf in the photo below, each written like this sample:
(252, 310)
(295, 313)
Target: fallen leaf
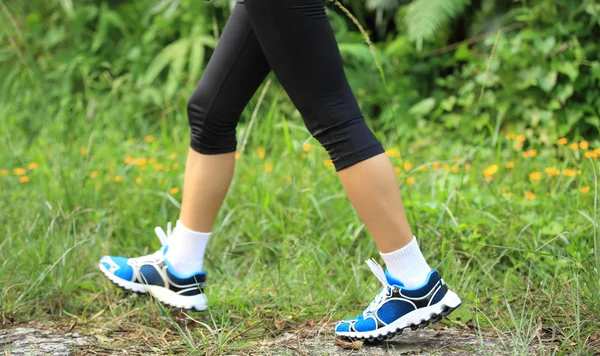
(349, 345)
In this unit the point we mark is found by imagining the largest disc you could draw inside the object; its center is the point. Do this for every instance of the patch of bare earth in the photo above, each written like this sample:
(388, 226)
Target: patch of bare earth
(60, 339)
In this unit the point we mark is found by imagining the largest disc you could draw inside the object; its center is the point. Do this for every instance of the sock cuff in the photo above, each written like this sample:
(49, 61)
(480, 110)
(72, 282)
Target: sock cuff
(191, 233)
(407, 263)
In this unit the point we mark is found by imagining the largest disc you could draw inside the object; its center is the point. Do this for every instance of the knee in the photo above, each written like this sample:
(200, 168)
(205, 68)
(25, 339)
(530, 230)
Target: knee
(348, 142)
(212, 131)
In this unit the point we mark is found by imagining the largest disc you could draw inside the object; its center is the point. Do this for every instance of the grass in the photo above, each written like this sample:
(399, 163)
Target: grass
(288, 249)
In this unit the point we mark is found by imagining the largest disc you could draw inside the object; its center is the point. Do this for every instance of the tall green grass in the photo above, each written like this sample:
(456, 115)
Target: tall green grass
(288, 247)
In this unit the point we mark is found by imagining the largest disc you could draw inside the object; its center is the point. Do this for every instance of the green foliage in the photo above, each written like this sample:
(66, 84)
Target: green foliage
(425, 18)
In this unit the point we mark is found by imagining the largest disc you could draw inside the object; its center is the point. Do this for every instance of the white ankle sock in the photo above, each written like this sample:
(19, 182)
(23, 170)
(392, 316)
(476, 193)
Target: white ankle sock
(408, 265)
(186, 250)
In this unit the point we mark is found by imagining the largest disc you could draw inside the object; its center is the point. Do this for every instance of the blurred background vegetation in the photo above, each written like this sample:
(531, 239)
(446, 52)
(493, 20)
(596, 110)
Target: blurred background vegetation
(149, 54)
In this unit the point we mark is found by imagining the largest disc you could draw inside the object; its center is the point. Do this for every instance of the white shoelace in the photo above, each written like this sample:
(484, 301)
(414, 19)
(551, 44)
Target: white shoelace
(385, 292)
(163, 237)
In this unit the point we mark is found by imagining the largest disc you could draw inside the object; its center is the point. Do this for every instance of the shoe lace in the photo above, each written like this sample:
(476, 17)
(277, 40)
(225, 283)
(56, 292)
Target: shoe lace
(163, 237)
(385, 292)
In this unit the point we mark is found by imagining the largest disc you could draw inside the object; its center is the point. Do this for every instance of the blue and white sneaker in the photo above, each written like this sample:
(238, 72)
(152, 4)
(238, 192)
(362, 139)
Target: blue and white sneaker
(151, 274)
(396, 308)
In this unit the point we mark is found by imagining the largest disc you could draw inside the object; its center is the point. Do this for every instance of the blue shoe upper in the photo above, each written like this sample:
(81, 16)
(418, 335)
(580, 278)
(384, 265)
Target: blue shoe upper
(393, 302)
(153, 270)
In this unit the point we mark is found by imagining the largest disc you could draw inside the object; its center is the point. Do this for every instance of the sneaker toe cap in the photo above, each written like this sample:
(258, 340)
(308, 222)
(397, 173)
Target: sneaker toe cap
(342, 326)
(117, 266)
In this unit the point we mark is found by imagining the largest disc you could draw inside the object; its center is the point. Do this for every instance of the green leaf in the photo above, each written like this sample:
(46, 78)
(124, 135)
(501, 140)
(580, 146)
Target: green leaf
(545, 46)
(448, 103)
(425, 18)
(423, 107)
(569, 69)
(165, 58)
(553, 228)
(463, 53)
(564, 93)
(547, 81)
(196, 60)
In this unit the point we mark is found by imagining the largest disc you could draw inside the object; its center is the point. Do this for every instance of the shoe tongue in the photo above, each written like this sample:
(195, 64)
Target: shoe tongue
(391, 280)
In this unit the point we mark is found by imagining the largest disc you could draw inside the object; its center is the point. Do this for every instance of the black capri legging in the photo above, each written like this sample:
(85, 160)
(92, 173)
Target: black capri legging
(295, 40)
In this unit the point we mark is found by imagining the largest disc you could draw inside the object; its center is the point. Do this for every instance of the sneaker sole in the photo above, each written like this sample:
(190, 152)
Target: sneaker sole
(167, 297)
(416, 319)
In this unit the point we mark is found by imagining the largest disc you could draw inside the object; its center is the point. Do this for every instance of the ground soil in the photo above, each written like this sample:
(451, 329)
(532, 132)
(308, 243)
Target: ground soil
(60, 339)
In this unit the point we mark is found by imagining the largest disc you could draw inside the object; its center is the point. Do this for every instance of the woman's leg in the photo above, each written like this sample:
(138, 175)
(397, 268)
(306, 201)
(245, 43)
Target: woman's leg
(301, 49)
(174, 275)
(233, 74)
(300, 46)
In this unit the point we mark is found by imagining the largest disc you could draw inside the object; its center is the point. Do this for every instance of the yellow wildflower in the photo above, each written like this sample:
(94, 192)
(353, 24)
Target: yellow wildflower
(467, 167)
(306, 147)
(138, 180)
(530, 153)
(574, 146)
(140, 161)
(329, 163)
(455, 169)
(19, 171)
(175, 165)
(579, 171)
(397, 170)
(435, 166)
(118, 179)
(520, 138)
(490, 171)
(552, 171)
(510, 136)
(173, 191)
(569, 172)
(261, 152)
(268, 167)
(445, 166)
(152, 160)
(392, 152)
(410, 180)
(535, 176)
(562, 141)
(407, 165)
(32, 166)
(94, 174)
(149, 139)
(510, 164)
(589, 154)
(237, 155)
(529, 195)
(83, 150)
(422, 169)
(173, 155)
(158, 167)
(23, 179)
(129, 160)
(505, 188)
(584, 145)
(3, 172)
(585, 189)
(506, 194)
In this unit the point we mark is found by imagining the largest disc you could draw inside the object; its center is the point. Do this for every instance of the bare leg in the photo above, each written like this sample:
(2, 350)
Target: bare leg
(373, 190)
(207, 179)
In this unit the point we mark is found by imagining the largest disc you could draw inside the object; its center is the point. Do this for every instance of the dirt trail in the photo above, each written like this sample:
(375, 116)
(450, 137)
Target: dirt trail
(47, 339)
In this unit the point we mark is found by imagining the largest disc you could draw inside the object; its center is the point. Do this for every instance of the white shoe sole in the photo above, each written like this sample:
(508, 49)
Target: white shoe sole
(416, 319)
(168, 297)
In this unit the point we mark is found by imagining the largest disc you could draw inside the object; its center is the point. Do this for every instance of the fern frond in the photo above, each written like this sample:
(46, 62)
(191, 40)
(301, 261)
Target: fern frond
(424, 18)
(383, 5)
